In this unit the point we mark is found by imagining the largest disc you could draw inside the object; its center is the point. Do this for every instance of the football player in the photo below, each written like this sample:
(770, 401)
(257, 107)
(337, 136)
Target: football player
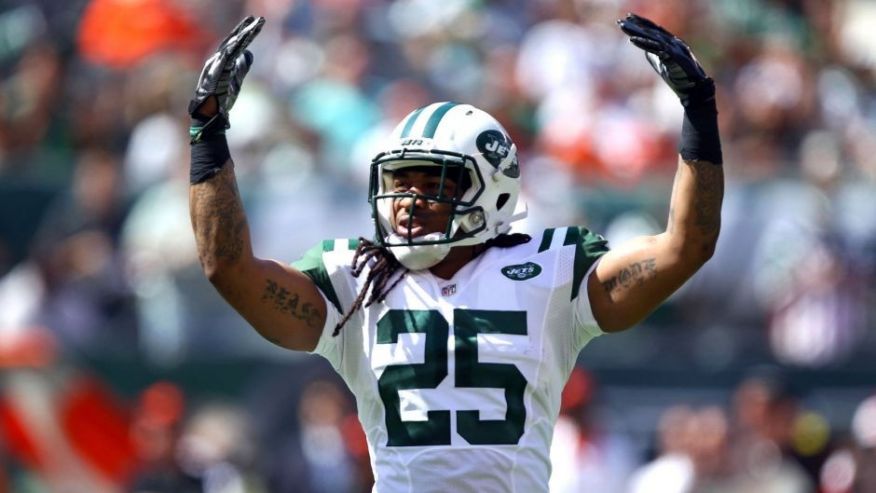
(455, 335)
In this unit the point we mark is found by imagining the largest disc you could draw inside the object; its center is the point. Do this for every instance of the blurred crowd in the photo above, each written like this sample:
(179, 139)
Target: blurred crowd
(764, 438)
(97, 259)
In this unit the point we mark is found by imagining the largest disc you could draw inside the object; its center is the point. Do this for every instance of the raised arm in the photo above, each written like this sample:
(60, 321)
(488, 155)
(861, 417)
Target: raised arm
(262, 291)
(633, 279)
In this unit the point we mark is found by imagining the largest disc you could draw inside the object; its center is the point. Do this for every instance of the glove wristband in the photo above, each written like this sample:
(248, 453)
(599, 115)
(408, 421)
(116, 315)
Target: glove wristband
(700, 140)
(203, 127)
(209, 155)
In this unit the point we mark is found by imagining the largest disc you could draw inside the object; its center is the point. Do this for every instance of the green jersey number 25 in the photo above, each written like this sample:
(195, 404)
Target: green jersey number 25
(470, 373)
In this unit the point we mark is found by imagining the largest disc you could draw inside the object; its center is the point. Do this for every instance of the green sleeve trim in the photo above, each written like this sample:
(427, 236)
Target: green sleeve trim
(313, 266)
(589, 247)
(329, 245)
(573, 236)
(546, 240)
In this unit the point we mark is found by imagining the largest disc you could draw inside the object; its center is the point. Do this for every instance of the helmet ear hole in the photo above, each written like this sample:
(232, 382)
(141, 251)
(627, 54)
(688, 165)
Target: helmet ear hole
(502, 200)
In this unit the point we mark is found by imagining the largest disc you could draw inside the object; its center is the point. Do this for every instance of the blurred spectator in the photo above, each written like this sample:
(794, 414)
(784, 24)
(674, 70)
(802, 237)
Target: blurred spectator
(672, 470)
(87, 299)
(765, 410)
(155, 431)
(29, 96)
(699, 454)
(215, 450)
(322, 411)
(334, 105)
(852, 469)
(810, 267)
(158, 248)
(695, 456)
(324, 449)
(708, 447)
(584, 455)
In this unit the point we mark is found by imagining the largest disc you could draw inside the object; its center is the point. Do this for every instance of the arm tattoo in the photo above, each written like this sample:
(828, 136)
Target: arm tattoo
(219, 220)
(635, 274)
(281, 299)
(710, 190)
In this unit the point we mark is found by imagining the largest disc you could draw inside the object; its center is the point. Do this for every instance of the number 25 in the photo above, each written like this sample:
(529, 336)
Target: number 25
(469, 374)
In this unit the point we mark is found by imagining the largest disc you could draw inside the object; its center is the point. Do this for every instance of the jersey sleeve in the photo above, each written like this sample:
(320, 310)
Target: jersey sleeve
(325, 265)
(313, 265)
(329, 346)
(589, 248)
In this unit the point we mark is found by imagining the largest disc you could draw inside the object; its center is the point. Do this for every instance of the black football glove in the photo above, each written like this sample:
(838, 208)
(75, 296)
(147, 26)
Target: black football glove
(671, 58)
(222, 77)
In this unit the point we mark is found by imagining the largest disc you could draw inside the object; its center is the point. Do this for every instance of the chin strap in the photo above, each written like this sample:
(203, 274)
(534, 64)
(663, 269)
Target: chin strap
(518, 215)
(500, 229)
(419, 257)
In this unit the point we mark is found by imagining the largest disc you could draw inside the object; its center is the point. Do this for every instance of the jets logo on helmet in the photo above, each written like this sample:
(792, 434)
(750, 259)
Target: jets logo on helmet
(495, 146)
(466, 144)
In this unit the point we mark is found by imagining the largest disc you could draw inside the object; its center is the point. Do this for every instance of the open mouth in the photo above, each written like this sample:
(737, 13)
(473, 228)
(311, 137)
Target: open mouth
(408, 227)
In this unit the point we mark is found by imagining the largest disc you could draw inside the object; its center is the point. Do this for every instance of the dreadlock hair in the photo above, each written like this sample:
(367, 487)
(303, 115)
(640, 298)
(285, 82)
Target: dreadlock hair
(386, 266)
(507, 241)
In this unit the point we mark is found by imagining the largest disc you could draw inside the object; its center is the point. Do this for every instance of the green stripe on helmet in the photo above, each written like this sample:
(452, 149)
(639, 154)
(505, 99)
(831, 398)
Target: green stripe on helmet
(409, 124)
(435, 119)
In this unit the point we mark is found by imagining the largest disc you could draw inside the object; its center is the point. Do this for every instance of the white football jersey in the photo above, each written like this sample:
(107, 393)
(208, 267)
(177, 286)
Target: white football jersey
(458, 381)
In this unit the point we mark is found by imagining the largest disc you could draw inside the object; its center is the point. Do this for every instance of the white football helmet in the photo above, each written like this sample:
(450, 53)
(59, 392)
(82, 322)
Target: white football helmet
(467, 145)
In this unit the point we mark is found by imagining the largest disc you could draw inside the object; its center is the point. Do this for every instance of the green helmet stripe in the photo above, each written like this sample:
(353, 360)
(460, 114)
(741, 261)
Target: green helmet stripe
(412, 118)
(435, 119)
